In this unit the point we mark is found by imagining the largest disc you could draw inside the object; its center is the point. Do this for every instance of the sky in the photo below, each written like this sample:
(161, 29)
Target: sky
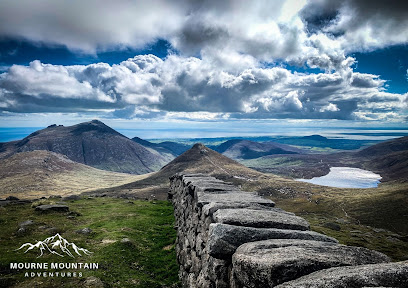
(233, 64)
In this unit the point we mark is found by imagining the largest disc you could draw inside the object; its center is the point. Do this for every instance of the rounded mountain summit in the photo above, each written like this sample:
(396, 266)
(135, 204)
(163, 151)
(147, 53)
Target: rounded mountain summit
(92, 143)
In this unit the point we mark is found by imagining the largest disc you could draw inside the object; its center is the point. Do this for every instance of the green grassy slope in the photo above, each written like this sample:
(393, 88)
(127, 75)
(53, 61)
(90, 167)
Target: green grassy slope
(149, 260)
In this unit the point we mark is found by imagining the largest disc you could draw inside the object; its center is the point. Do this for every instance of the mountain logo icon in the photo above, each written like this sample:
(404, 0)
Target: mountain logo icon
(55, 245)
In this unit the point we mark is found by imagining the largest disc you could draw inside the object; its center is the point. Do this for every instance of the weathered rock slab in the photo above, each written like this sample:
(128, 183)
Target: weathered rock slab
(84, 231)
(374, 275)
(52, 207)
(260, 219)
(211, 208)
(224, 239)
(272, 262)
(26, 223)
(204, 198)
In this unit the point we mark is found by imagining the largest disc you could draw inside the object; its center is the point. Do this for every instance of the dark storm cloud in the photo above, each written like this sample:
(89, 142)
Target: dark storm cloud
(391, 9)
(196, 33)
(359, 24)
(320, 14)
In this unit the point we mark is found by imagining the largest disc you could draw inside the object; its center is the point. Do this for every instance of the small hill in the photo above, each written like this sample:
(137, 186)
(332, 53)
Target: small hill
(176, 148)
(92, 143)
(384, 148)
(35, 174)
(198, 159)
(315, 138)
(167, 147)
(244, 149)
(318, 141)
(226, 145)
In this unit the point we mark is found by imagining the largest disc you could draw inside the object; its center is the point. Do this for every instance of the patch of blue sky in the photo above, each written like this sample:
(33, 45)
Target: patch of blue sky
(390, 64)
(23, 52)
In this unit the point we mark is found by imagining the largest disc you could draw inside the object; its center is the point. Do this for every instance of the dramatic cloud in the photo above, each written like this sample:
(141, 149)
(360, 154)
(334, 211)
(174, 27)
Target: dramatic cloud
(148, 87)
(226, 31)
(359, 24)
(229, 62)
(318, 33)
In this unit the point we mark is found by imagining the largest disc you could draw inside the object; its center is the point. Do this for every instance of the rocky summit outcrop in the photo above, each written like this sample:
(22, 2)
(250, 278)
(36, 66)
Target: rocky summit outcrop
(230, 238)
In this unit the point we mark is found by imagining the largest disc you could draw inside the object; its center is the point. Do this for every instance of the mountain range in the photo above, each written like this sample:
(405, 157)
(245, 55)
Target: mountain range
(96, 144)
(46, 172)
(58, 158)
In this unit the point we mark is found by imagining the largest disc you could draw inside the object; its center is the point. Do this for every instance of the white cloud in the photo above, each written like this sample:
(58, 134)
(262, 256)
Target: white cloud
(330, 108)
(40, 79)
(148, 87)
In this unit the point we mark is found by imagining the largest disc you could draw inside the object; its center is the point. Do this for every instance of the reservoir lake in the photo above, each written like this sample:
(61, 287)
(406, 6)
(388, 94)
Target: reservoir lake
(346, 177)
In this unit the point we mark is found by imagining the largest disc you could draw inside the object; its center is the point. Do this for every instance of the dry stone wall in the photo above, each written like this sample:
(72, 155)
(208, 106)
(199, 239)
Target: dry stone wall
(231, 238)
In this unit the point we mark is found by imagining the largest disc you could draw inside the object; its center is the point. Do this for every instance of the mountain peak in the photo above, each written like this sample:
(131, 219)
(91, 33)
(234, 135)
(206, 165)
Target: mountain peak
(98, 122)
(199, 146)
(95, 144)
(94, 125)
(201, 159)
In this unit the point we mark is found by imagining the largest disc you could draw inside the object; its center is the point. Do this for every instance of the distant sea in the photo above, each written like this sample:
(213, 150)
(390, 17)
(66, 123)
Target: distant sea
(17, 133)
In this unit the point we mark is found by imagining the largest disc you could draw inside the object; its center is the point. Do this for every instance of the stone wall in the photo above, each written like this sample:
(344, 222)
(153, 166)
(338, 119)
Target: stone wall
(230, 238)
